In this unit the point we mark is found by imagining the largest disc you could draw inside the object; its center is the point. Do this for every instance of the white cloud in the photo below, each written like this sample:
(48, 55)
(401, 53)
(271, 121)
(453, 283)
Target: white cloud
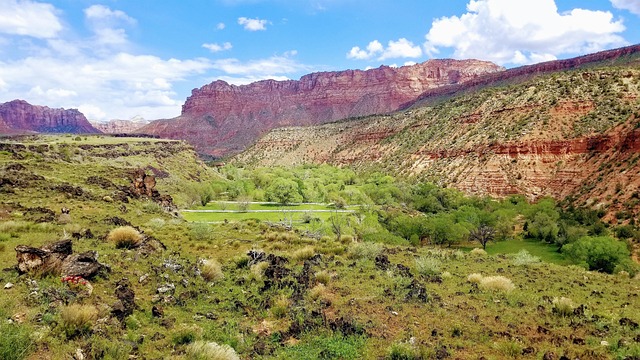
(522, 32)
(29, 18)
(631, 5)
(215, 47)
(102, 12)
(220, 26)
(402, 48)
(244, 80)
(261, 68)
(253, 24)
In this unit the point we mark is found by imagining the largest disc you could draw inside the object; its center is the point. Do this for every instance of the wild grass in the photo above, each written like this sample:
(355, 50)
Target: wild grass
(496, 283)
(124, 237)
(524, 258)
(257, 270)
(280, 306)
(211, 270)
(364, 250)
(474, 278)
(323, 277)
(562, 306)
(200, 350)
(305, 253)
(77, 320)
(428, 266)
(15, 342)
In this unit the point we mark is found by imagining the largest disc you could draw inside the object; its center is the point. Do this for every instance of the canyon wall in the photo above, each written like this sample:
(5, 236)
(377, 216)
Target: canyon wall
(18, 116)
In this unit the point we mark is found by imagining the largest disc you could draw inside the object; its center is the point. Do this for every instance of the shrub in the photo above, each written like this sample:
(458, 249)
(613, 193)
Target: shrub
(428, 266)
(474, 278)
(524, 258)
(562, 306)
(601, 253)
(318, 291)
(211, 270)
(365, 250)
(156, 223)
(496, 283)
(258, 269)
(403, 351)
(201, 350)
(200, 231)
(305, 253)
(125, 237)
(77, 319)
(478, 252)
(281, 306)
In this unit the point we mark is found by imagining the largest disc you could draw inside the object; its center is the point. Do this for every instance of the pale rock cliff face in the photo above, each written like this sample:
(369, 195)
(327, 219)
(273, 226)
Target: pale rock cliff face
(18, 116)
(117, 126)
(220, 119)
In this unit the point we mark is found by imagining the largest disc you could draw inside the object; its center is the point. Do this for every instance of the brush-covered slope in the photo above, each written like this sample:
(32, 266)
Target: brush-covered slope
(569, 133)
(18, 116)
(221, 119)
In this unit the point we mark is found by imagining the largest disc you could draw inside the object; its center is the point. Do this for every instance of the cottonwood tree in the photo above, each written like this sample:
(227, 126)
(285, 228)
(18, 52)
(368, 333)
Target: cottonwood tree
(482, 234)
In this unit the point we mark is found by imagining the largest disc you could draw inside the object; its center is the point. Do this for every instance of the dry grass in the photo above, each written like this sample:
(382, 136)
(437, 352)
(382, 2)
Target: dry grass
(200, 350)
(562, 306)
(125, 237)
(280, 306)
(323, 277)
(305, 253)
(474, 278)
(78, 319)
(211, 270)
(319, 292)
(496, 283)
(428, 266)
(478, 252)
(365, 250)
(257, 270)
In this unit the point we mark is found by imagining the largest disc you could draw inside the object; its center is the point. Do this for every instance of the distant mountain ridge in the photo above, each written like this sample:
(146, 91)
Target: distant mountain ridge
(221, 119)
(18, 116)
(118, 126)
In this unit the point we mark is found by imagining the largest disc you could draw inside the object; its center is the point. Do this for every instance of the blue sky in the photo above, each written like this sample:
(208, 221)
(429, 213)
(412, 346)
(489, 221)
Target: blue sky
(126, 58)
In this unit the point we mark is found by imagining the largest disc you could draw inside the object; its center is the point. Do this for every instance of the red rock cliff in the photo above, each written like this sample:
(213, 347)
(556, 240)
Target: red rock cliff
(219, 118)
(19, 116)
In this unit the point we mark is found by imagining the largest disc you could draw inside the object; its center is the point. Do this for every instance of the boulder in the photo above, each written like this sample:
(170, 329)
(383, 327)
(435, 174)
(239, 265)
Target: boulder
(47, 259)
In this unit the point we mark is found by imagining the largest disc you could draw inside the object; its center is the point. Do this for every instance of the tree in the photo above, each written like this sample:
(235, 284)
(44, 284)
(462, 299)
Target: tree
(601, 253)
(444, 230)
(483, 234)
(284, 191)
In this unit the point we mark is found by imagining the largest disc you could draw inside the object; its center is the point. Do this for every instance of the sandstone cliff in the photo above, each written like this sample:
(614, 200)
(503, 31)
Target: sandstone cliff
(219, 119)
(573, 133)
(18, 116)
(117, 126)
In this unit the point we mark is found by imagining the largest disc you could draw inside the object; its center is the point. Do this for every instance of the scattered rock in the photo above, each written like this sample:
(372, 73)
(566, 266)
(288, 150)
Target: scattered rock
(143, 279)
(117, 221)
(8, 285)
(549, 355)
(382, 262)
(47, 259)
(84, 264)
(166, 288)
(417, 291)
(628, 322)
(157, 311)
(125, 304)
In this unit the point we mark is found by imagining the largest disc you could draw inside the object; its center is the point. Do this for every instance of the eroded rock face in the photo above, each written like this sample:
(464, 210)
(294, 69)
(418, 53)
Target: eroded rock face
(58, 259)
(219, 119)
(18, 116)
(120, 126)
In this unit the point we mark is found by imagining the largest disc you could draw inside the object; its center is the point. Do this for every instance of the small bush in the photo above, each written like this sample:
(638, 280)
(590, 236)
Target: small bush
(258, 269)
(474, 278)
(156, 223)
(403, 351)
(125, 237)
(305, 253)
(200, 231)
(201, 350)
(562, 306)
(77, 319)
(524, 258)
(496, 283)
(478, 252)
(318, 292)
(428, 266)
(365, 250)
(211, 270)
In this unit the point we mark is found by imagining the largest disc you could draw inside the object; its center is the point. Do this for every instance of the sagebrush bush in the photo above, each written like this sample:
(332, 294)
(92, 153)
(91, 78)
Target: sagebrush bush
(365, 250)
(474, 278)
(211, 270)
(428, 266)
(77, 319)
(524, 258)
(125, 237)
(562, 306)
(305, 253)
(201, 350)
(496, 283)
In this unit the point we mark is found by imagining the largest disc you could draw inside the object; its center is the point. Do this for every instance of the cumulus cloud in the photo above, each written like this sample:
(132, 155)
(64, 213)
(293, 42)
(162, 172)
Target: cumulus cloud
(215, 47)
(253, 24)
(402, 48)
(29, 18)
(522, 32)
(220, 26)
(108, 25)
(631, 5)
(102, 13)
(271, 67)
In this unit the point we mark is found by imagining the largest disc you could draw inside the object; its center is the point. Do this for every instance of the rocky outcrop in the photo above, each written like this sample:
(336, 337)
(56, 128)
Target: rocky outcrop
(219, 119)
(58, 259)
(116, 126)
(18, 116)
